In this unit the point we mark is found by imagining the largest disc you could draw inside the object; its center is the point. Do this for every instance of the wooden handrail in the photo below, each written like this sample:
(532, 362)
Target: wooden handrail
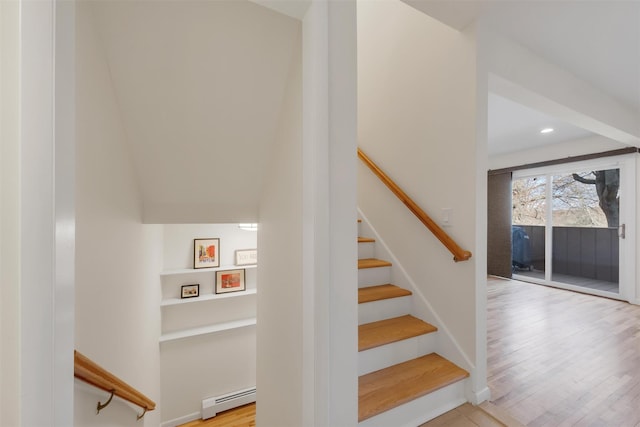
(459, 254)
(90, 372)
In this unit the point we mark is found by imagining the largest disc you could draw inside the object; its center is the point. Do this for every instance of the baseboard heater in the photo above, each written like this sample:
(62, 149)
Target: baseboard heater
(212, 405)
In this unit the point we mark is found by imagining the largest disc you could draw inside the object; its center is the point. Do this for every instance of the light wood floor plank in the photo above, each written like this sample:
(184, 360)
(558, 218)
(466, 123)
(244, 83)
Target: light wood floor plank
(560, 358)
(243, 416)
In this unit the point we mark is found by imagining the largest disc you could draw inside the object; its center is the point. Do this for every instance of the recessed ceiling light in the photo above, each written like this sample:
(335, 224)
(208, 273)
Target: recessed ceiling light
(547, 130)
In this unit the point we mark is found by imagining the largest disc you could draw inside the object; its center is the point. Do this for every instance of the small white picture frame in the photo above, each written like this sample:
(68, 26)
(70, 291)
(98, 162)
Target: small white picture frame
(246, 257)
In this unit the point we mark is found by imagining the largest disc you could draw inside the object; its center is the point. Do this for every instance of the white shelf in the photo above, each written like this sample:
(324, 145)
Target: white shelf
(208, 297)
(210, 329)
(205, 270)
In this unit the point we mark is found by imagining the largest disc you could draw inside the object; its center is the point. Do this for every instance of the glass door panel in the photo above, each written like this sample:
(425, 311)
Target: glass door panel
(529, 217)
(585, 220)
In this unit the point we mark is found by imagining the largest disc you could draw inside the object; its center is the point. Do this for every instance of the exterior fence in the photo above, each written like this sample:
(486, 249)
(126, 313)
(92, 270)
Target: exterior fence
(586, 252)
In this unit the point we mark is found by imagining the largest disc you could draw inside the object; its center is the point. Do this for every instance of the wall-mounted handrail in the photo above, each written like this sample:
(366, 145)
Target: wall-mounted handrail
(459, 254)
(91, 373)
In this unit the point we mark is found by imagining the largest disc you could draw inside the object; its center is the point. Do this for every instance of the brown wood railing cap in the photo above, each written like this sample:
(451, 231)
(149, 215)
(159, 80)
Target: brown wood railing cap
(459, 254)
(90, 372)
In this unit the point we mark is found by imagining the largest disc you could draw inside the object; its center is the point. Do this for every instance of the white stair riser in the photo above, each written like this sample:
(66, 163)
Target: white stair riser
(397, 352)
(420, 410)
(373, 276)
(366, 250)
(383, 309)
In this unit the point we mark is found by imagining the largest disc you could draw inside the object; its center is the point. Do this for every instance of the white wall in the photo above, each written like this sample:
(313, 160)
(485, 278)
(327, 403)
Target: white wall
(118, 258)
(307, 343)
(193, 369)
(9, 215)
(279, 328)
(178, 242)
(417, 120)
(36, 204)
(43, 186)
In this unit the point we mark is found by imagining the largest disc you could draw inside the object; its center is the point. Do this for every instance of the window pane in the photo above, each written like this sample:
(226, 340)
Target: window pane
(528, 233)
(586, 209)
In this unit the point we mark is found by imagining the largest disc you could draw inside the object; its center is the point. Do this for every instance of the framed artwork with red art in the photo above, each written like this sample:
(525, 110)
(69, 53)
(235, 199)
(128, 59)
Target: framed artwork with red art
(206, 253)
(230, 281)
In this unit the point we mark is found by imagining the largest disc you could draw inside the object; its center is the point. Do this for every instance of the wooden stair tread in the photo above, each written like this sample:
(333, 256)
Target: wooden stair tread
(380, 292)
(388, 388)
(366, 240)
(386, 331)
(372, 263)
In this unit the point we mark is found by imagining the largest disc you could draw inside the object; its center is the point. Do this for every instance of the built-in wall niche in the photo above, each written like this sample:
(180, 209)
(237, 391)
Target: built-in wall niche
(208, 339)
(209, 312)
(203, 310)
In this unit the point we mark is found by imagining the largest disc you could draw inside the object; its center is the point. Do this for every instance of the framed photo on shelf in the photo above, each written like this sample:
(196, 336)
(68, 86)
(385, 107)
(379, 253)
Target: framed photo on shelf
(189, 291)
(206, 253)
(246, 256)
(230, 281)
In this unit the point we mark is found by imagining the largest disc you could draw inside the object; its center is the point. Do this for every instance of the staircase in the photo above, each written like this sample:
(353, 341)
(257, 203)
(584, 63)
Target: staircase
(402, 379)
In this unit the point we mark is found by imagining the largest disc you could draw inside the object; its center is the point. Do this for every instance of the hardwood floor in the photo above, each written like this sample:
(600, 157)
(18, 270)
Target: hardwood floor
(467, 415)
(560, 358)
(243, 416)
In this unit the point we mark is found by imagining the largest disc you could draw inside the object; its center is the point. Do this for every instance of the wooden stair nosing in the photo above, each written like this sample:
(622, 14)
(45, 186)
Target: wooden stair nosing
(382, 332)
(390, 387)
(372, 263)
(381, 292)
(366, 240)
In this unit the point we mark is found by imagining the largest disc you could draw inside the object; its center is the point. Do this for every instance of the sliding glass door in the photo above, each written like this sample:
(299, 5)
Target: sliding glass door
(569, 226)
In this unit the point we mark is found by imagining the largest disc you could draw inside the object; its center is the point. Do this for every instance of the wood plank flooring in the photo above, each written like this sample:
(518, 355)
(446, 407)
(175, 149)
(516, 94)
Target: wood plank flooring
(463, 416)
(243, 416)
(560, 358)
(467, 415)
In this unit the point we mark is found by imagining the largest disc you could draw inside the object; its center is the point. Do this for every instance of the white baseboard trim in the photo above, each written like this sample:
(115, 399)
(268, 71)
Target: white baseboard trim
(182, 420)
(480, 396)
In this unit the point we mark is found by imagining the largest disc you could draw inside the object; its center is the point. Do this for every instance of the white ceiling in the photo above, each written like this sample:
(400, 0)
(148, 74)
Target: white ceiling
(200, 86)
(514, 127)
(596, 41)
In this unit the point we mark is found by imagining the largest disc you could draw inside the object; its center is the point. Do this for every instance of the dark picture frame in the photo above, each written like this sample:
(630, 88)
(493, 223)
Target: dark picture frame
(190, 291)
(206, 253)
(230, 281)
